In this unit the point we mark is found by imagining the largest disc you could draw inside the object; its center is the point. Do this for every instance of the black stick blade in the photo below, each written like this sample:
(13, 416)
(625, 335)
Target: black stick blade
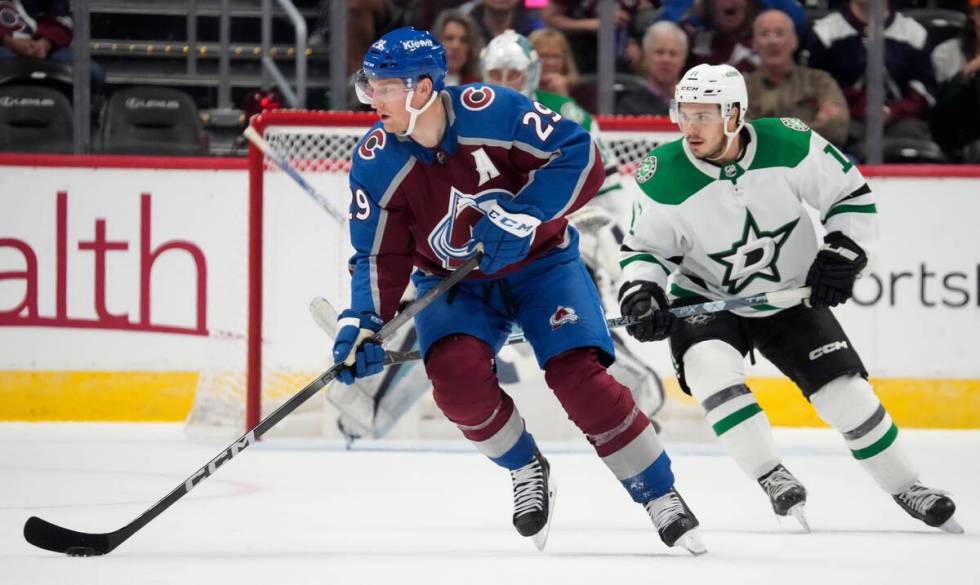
(48, 536)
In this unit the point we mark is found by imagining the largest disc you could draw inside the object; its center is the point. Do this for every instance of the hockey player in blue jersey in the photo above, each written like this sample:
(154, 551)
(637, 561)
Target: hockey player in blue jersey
(448, 170)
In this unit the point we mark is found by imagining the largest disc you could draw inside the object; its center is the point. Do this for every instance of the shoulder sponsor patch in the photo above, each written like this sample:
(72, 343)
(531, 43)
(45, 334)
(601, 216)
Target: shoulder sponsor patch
(646, 170)
(794, 124)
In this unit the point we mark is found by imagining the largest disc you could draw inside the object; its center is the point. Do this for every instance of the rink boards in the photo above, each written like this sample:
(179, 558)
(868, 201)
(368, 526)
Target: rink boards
(121, 280)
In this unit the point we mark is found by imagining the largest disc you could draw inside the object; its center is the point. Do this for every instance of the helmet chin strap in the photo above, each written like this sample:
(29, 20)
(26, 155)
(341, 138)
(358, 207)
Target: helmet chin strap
(729, 137)
(415, 113)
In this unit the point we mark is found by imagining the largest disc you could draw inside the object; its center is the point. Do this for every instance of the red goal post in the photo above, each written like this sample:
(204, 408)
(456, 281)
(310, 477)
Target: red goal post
(319, 144)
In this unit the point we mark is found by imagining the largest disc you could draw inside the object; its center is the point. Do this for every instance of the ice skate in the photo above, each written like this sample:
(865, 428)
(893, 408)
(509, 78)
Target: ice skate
(932, 506)
(534, 499)
(675, 522)
(787, 494)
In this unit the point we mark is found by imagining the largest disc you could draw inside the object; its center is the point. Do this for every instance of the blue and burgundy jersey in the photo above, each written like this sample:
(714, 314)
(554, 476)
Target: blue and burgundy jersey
(416, 206)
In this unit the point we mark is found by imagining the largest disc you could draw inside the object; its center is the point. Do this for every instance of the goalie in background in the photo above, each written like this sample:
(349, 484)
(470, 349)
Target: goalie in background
(450, 172)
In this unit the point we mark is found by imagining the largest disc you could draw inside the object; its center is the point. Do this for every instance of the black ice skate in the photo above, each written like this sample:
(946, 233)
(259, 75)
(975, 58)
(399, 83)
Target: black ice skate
(534, 499)
(786, 493)
(675, 522)
(932, 506)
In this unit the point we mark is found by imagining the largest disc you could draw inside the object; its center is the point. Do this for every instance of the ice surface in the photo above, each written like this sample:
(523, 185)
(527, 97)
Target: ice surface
(290, 512)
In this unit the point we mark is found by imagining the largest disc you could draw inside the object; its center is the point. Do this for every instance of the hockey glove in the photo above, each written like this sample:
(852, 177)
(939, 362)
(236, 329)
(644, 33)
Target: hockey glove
(506, 237)
(362, 357)
(834, 270)
(641, 299)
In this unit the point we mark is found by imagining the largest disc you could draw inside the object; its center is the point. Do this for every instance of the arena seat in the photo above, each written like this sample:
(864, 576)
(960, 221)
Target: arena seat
(35, 119)
(147, 120)
(941, 24)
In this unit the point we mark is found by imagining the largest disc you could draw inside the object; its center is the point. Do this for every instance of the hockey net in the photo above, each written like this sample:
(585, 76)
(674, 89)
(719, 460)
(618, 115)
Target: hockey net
(297, 251)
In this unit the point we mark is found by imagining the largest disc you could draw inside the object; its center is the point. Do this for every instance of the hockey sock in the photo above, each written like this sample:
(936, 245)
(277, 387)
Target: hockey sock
(849, 404)
(466, 390)
(715, 373)
(604, 410)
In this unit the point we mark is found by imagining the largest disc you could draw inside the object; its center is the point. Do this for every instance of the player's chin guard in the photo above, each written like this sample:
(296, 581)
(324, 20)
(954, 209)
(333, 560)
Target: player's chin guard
(713, 84)
(409, 55)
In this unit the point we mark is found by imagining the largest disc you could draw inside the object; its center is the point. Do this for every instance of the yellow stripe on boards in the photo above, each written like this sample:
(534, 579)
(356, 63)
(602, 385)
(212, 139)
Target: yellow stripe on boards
(912, 403)
(96, 396)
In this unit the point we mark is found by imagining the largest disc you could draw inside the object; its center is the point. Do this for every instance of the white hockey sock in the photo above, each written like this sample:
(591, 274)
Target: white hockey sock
(849, 404)
(715, 373)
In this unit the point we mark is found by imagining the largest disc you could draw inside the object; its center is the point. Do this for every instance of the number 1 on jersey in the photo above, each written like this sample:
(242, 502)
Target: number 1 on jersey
(845, 165)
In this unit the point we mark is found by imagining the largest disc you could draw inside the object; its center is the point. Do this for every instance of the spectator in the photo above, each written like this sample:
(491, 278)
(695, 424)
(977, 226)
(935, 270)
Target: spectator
(725, 36)
(40, 29)
(559, 74)
(461, 38)
(690, 11)
(579, 21)
(664, 54)
(781, 88)
(493, 17)
(956, 117)
(426, 12)
(838, 47)
(366, 21)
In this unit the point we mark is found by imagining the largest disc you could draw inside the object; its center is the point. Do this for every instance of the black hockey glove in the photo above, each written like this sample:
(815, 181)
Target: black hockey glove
(641, 299)
(834, 270)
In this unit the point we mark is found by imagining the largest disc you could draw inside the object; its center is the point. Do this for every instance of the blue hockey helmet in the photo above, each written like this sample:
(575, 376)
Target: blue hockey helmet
(407, 54)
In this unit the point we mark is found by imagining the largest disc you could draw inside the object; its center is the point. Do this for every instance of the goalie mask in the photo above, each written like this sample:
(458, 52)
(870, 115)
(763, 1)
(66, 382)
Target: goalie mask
(510, 60)
(406, 54)
(713, 84)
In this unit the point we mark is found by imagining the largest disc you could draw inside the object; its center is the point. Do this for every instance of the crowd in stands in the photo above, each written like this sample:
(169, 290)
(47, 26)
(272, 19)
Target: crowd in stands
(808, 64)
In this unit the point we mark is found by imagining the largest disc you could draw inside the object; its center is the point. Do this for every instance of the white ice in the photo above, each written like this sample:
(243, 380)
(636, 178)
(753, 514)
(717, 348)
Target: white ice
(289, 512)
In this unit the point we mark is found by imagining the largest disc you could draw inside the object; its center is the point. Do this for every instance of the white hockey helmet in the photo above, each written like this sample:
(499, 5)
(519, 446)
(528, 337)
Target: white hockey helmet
(510, 51)
(713, 84)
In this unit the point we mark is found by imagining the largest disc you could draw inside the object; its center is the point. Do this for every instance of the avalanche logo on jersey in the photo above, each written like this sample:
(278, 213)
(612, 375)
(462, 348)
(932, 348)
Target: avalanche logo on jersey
(562, 316)
(753, 256)
(451, 238)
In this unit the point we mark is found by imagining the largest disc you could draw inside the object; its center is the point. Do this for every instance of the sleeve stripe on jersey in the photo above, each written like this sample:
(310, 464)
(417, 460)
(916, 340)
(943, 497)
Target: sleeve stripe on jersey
(379, 232)
(863, 190)
(642, 258)
(869, 208)
(396, 181)
(373, 260)
(582, 178)
(508, 144)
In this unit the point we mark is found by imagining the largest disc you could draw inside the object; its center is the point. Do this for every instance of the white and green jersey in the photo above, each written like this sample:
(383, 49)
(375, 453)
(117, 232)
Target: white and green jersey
(742, 228)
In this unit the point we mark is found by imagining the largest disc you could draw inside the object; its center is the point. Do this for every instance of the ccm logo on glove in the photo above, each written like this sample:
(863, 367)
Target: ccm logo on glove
(518, 224)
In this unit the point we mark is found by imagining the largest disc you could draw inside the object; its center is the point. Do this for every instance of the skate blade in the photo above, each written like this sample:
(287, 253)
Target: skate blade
(691, 542)
(798, 511)
(951, 526)
(540, 538)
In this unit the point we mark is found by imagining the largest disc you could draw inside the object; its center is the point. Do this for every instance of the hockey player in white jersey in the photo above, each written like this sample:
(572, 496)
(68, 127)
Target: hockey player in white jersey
(724, 216)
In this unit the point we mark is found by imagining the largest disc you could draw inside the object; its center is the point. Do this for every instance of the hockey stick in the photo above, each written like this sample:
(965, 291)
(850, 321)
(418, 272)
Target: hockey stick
(785, 298)
(48, 536)
(290, 170)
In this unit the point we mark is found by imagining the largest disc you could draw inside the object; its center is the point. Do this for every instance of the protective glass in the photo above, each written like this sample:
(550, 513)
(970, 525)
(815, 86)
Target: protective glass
(699, 118)
(382, 90)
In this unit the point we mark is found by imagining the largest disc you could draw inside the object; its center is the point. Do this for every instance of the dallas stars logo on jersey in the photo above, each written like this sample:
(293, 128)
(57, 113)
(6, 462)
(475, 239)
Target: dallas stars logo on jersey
(753, 256)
